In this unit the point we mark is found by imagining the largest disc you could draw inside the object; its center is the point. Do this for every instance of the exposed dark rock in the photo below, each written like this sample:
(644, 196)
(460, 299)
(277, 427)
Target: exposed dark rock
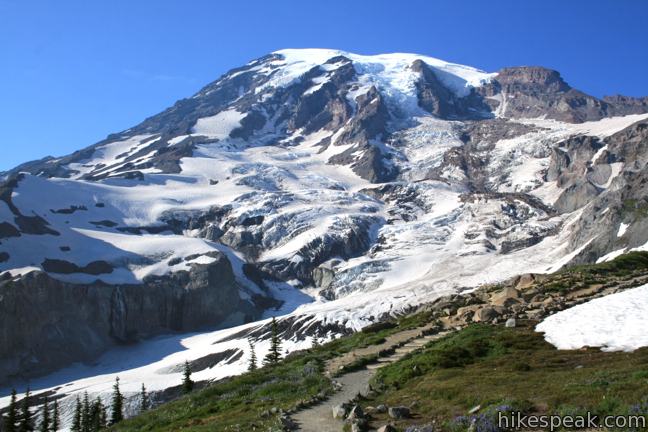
(205, 221)
(483, 134)
(509, 246)
(66, 267)
(511, 197)
(34, 225)
(292, 327)
(247, 241)
(576, 196)
(70, 210)
(531, 92)
(27, 224)
(365, 129)
(87, 319)
(149, 229)
(351, 240)
(253, 220)
(437, 99)
(625, 105)
(207, 362)
(104, 223)
(624, 203)
(7, 230)
(398, 412)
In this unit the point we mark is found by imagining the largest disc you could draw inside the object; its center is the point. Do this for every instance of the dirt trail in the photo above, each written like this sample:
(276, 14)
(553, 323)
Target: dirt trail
(319, 418)
(391, 342)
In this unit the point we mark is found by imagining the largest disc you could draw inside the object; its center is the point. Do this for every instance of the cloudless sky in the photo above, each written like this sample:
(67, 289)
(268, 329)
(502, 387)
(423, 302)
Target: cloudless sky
(73, 71)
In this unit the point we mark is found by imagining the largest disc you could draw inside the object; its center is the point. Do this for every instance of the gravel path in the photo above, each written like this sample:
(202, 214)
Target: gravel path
(319, 418)
(391, 341)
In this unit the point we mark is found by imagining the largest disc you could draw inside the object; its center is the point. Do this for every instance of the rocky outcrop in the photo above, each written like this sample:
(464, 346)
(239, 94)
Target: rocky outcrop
(26, 224)
(532, 296)
(437, 99)
(66, 267)
(627, 105)
(353, 237)
(611, 201)
(46, 323)
(368, 157)
(327, 106)
(533, 91)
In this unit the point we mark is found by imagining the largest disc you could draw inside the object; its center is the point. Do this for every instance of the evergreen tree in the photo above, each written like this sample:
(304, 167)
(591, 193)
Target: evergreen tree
(11, 419)
(85, 413)
(45, 418)
(76, 419)
(97, 417)
(187, 383)
(252, 365)
(55, 422)
(26, 420)
(273, 357)
(117, 413)
(103, 417)
(144, 399)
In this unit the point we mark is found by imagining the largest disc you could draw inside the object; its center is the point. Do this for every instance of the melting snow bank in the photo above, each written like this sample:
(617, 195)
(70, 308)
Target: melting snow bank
(615, 322)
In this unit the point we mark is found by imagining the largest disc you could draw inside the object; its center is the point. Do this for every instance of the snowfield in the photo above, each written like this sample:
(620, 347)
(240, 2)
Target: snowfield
(385, 246)
(617, 322)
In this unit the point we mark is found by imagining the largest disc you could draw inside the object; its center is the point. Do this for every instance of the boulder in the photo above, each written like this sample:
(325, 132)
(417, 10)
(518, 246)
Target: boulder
(485, 314)
(359, 426)
(510, 323)
(400, 412)
(381, 408)
(506, 297)
(525, 281)
(287, 423)
(386, 428)
(534, 314)
(356, 413)
(466, 312)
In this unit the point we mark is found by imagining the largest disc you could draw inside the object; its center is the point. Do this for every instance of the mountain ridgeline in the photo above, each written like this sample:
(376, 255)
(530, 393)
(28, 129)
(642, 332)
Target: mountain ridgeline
(395, 174)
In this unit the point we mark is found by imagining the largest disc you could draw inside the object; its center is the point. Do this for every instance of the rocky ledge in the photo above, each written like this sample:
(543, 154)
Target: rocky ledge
(60, 323)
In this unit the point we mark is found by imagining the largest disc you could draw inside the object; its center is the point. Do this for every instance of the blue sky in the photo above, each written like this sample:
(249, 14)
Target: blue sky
(73, 71)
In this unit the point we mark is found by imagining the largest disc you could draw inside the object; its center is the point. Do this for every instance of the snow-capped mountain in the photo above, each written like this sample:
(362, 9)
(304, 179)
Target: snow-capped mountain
(333, 186)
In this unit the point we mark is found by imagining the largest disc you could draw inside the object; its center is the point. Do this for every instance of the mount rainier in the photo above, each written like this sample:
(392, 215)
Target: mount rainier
(331, 188)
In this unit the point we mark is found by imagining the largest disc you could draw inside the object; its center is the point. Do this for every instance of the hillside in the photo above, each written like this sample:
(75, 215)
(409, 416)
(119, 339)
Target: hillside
(456, 373)
(331, 189)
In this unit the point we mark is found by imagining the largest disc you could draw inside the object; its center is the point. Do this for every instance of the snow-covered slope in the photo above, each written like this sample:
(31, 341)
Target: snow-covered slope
(333, 187)
(616, 322)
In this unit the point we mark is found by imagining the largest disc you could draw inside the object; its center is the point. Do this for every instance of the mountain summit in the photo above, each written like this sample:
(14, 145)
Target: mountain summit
(333, 186)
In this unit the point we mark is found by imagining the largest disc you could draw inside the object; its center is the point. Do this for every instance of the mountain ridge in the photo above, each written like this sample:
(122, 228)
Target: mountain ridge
(337, 187)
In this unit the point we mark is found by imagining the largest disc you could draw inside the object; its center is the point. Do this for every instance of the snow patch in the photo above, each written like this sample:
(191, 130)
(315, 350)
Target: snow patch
(616, 322)
(219, 126)
(622, 229)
